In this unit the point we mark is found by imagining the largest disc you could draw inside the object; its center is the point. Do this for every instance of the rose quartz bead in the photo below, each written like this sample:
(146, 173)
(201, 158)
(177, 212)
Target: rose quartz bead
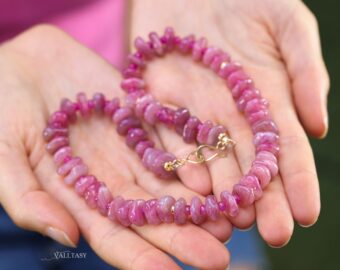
(61, 154)
(244, 194)
(198, 49)
(240, 87)
(218, 60)
(271, 165)
(131, 98)
(229, 69)
(158, 165)
(83, 105)
(209, 54)
(186, 44)
(213, 134)
(137, 60)
(262, 173)
(113, 207)
(122, 214)
(265, 138)
(84, 183)
(134, 136)
(252, 181)
(163, 208)
(143, 47)
(258, 117)
(49, 133)
(180, 118)
(111, 107)
(98, 102)
(103, 199)
(132, 84)
(169, 38)
(166, 116)
(150, 212)
(91, 194)
(136, 214)
(121, 114)
(142, 146)
(57, 143)
(195, 211)
(255, 105)
(142, 103)
(190, 129)
(75, 173)
(180, 215)
(125, 125)
(203, 132)
(66, 168)
(131, 73)
(235, 77)
(211, 207)
(150, 114)
(156, 44)
(265, 125)
(58, 119)
(230, 203)
(69, 108)
(247, 95)
(273, 148)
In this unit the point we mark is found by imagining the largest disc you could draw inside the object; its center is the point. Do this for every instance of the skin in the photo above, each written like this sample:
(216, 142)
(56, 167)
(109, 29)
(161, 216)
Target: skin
(28, 175)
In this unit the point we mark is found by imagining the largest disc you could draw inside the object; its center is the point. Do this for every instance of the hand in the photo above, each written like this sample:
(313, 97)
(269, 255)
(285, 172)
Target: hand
(37, 69)
(277, 42)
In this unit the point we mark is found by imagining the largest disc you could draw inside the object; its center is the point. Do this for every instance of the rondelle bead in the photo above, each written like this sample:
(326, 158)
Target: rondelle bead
(169, 38)
(265, 138)
(84, 183)
(186, 44)
(103, 199)
(266, 155)
(66, 168)
(247, 95)
(180, 118)
(58, 119)
(158, 165)
(142, 146)
(69, 108)
(136, 214)
(61, 154)
(166, 116)
(121, 114)
(265, 125)
(156, 44)
(180, 214)
(251, 181)
(126, 124)
(203, 132)
(98, 102)
(83, 105)
(141, 104)
(240, 87)
(195, 211)
(122, 213)
(198, 49)
(113, 207)
(211, 207)
(50, 132)
(150, 212)
(143, 47)
(270, 147)
(244, 194)
(91, 194)
(262, 173)
(219, 61)
(209, 55)
(190, 129)
(255, 105)
(131, 73)
(134, 136)
(75, 173)
(163, 207)
(271, 165)
(151, 111)
(258, 116)
(236, 77)
(136, 59)
(228, 69)
(150, 156)
(57, 143)
(111, 107)
(131, 98)
(231, 207)
(213, 134)
(132, 84)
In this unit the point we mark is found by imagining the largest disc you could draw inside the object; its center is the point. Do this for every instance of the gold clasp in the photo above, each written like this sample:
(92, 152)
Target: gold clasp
(197, 156)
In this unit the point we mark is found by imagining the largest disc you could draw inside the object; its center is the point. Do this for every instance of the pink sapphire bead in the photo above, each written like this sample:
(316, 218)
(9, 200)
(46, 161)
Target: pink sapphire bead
(141, 104)
(218, 60)
(91, 195)
(255, 105)
(273, 148)
(247, 95)
(180, 214)
(252, 181)
(195, 211)
(199, 48)
(157, 45)
(69, 108)
(209, 55)
(150, 212)
(213, 134)
(190, 129)
(126, 124)
(142, 146)
(180, 118)
(75, 173)
(131, 98)
(113, 207)
(229, 69)
(122, 214)
(134, 136)
(136, 214)
(166, 116)
(163, 208)
(158, 166)
(131, 73)
(98, 102)
(50, 132)
(103, 200)
(111, 107)
(258, 116)
(265, 138)
(262, 173)
(143, 47)
(240, 87)
(58, 119)
(265, 155)
(186, 44)
(132, 84)
(57, 143)
(211, 207)
(137, 60)
(84, 183)
(245, 195)
(83, 105)
(121, 114)
(265, 125)
(271, 165)
(236, 77)
(203, 132)
(230, 203)
(151, 111)
(169, 38)
(149, 157)
(61, 154)
(64, 169)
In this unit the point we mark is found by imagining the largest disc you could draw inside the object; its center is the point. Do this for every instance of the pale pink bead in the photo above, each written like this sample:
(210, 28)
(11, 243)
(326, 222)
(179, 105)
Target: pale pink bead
(134, 136)
(57, 143)
(61, 154)
(136, 215)
(236, 77)
(143, 47)
(266, 155)
(211, 207)
(262, 173)
(209, 55)
(121, 114)
(166, 115)
(265, 125)
(69, 108)
(123, 213)
(132, 84)
(190, 129)
(99, 102)
(111, 107)
(197, 216)
(169, 38)
(131, 73)
(83, 184)
(258, 116)
(158, 167)
(241, 86)
(149, 156)
(213, 134)
(229, 69)
(113, 207)
(131, 98)
(180, 214)
(103, 199)
(163, 208)
(150, 114)
(150, 212)
(75, 173)
(91, 194)
(58, 119)
(180, 118)
(142, 146)
(255, 105)
(126, 124)
(230, 203)
(83, 105)
(156, 43)
(244, 194)
(186, 44)
(271, 165)
(252, 181)
(142, 103)
(49, 133)
(218, 60)
(270, 147)
(66, 168)
(203, 132)
(198, 49)
(247, 95)
(265, 138)
(136, 59)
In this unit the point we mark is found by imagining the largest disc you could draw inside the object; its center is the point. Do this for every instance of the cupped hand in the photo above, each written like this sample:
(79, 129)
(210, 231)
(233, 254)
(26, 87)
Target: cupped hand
(277, 42)
(37, 69)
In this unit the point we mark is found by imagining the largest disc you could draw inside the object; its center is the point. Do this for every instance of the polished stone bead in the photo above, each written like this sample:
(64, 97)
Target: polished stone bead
(151, 111)
(136, 214)
(132, 98)
(199, 48)
(180, 214)
(122, 213)
(244, 194)
(113, 207)
(59, 119)
(143, 47)
(104, 198)
(75, 173)
(125, 125)
(61, 154)
(66, 167)
(132, 84)
(134, 136)
(99, 102)
(180, 118)
(84, 183)
(195, 211)
(190, 129)
(169, 38)
(149, 157)
(209, 55)
(272, 147)
(83, 105)
(252, 181)
(256, 117)
(158, 165)
(142, 103)
(142, 146)
(203, 132)
(235, 77)
(262, 173)
(217, 61)
(265, 126)
(163, 208)
(111, 107)
(265, 138)
(69, 108)
(271, 165)
(136, 59)
(228, 69)
(211, 207)
(246, 96)
(50, 133)
(231, 207)
(213, 134)
(240, 87)
(166, 115)
(255, 105)
(186, 44)
(156, 44)
(91, 194)
(150, 212)
(121, 114)
(56, 143)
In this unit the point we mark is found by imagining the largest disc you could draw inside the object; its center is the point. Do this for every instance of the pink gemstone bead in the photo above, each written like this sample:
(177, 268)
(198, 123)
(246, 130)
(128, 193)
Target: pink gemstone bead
(199, 48)
(265, 155)
(111, 107)
(142, 103)
(143, 47)
(150, 212)
(218, 60)
(158, 165)
(151, 111)
(149, 157)
(69, 108)
(66, 168)
(203, 132)
(169, 38)
(121, 114)
(137, 60)
(265, 125)
(98, 102)
(245, 194)
(136, 214)
(195, 211)
(259, 116)
(163, 208)
(84, 183)
(142, 146)
(132, 84)
(271, 165)
(134, 136)
(230, 203)
(211, 207)
(252, 181)
(209, 54)
(113, 207)
(131, 98)
(57, 143)
(91, 195)
(213, 134)
(75, 173)
(156, 43)
(49, 133)
(83, 105)
(131, 73)
(273, 148)
(190, 129)
(262, 173)
(265, 138)
(230, 68)
(236, 77)
(104, 198)
(129, 123)
(255, 105)
(247, 95)
(59, 119)
(61, 154)
(240, 87)
(122, 214)
(186, 44)
(180, 118)
(166, 116)
(180, 214)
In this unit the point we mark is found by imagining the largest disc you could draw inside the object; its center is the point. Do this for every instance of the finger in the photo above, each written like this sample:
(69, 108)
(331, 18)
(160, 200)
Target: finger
(299, 42)
(28, 206)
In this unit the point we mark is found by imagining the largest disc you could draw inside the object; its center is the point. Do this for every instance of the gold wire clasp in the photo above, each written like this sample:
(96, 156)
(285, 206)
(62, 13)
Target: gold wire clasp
(197, 156)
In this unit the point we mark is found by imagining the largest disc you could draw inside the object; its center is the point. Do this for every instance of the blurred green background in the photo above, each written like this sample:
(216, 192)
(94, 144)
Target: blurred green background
(318, 247)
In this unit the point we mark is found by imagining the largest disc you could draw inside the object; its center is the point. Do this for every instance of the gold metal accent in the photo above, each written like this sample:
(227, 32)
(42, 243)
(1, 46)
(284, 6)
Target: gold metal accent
(197, 156)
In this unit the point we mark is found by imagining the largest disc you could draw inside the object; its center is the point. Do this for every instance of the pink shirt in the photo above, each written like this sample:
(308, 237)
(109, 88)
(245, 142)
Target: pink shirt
(98, 24)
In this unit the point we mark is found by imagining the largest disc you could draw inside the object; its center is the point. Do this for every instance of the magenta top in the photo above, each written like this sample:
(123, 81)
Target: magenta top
(98, 24)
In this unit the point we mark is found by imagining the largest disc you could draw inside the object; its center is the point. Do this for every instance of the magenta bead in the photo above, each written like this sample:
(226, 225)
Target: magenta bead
(150, 212)
(158, 165)
(149, 157)
(61, 154)
(136, 214)
(75, 173)
(271, 165)
(213, 134)
(180, 118)
(217, 61)
(132, 84)
(228, 69)
(240, 87)
(84, 183)
(122, 213)
(151, 111)
(57, 143)
(195, 211)
(142, 146)
(98, 102)
(265, 125)
(134, 136)
(231, 207)
(255, 105)
(103, 199)
(186, 44)
(111, 107)
(199, 48)
(245, 194)
(236, 77)
(258, 116)
(209, 55)
(113, 207)
(166, 116)
(169, 38)
(252, 181)
(190, 129)
(59, 119)
(265, 138)
(246, 96)
(83, 105)
(141, 104)
(262, 173)
(163, 208)
(143, 47)
(131, 73)
(156, 44)
(69, 108)
(91, 194)
(203, 132)
(137, 60)
(266, 155)
(121, 114)
(180, 214)
(273, 148)
(129, 123)
(211, 207)
(66, 168)
(50, 133)
(132, 98)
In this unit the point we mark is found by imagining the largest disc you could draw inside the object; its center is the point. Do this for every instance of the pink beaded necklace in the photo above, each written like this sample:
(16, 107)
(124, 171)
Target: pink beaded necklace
(142, 106)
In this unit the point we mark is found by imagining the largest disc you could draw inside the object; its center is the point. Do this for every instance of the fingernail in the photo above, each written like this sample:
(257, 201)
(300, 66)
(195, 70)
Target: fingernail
(325, 122)
(280, 246)
(59, 236)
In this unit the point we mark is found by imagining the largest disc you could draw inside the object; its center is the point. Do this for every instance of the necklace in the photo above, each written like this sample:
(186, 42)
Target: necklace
(140, 106)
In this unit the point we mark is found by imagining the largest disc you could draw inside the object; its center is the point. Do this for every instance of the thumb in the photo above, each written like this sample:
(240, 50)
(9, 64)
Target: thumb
(27, 205)
(298, 40)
